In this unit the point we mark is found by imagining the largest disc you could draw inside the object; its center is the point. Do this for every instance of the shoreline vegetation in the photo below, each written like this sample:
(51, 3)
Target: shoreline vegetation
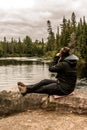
(70, 33)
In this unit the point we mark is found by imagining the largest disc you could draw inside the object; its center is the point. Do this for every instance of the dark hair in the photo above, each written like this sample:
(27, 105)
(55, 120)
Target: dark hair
(65, 51)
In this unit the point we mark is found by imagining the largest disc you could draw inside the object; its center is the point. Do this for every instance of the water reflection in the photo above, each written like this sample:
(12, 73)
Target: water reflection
(30, 70)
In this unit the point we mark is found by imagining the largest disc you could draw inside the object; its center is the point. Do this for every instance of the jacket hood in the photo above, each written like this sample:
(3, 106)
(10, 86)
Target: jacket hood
(72, 60)
(72, 57)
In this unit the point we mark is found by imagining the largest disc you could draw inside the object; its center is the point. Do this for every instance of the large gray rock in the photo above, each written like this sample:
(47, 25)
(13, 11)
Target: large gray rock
(13, 102)
(77, 102)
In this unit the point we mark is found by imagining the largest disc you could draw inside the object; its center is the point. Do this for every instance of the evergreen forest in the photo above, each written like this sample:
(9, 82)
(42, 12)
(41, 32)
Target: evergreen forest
(69, 33)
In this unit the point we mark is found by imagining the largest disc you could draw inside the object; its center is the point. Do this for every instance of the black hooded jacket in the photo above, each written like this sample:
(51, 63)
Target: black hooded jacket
(66, 72)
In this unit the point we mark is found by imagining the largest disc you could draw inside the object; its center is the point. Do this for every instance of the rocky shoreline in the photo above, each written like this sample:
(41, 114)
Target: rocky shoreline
(12, 102)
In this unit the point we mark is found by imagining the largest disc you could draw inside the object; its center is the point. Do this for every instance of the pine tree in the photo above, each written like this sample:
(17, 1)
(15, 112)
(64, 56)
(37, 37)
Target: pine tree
(73, 22)
(51, 38)
(4, 46)
(64, 38)
(73, 42)
(28, 44)
(57, 39)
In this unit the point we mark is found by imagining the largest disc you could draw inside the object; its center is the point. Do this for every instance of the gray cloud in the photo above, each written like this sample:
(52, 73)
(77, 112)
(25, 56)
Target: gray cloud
(32, 21)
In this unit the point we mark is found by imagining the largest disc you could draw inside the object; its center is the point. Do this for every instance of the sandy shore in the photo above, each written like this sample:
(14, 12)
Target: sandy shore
(44, 120)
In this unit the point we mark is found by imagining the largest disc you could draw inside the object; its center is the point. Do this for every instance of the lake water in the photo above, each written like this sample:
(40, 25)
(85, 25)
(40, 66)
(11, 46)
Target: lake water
(27, 70)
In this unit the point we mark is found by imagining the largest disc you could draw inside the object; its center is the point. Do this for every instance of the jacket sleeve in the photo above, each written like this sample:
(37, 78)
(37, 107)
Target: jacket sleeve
(55, 66)
(55, 60)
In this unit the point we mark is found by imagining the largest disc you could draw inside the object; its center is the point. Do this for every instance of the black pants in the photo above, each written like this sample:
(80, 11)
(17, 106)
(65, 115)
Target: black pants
(45, 86)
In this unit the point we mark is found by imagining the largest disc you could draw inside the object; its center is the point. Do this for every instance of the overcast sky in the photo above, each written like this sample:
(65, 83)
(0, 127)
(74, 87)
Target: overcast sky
(19, 18)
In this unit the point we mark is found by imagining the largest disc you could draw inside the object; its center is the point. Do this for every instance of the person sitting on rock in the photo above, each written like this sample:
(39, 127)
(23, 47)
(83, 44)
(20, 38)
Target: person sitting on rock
(64, 64)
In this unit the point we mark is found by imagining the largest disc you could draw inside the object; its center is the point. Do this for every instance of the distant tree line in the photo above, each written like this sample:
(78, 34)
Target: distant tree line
(21, 48)
(69, 33)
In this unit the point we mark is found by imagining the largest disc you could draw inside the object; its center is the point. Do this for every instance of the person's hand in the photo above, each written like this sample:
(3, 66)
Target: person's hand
(58, 54)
